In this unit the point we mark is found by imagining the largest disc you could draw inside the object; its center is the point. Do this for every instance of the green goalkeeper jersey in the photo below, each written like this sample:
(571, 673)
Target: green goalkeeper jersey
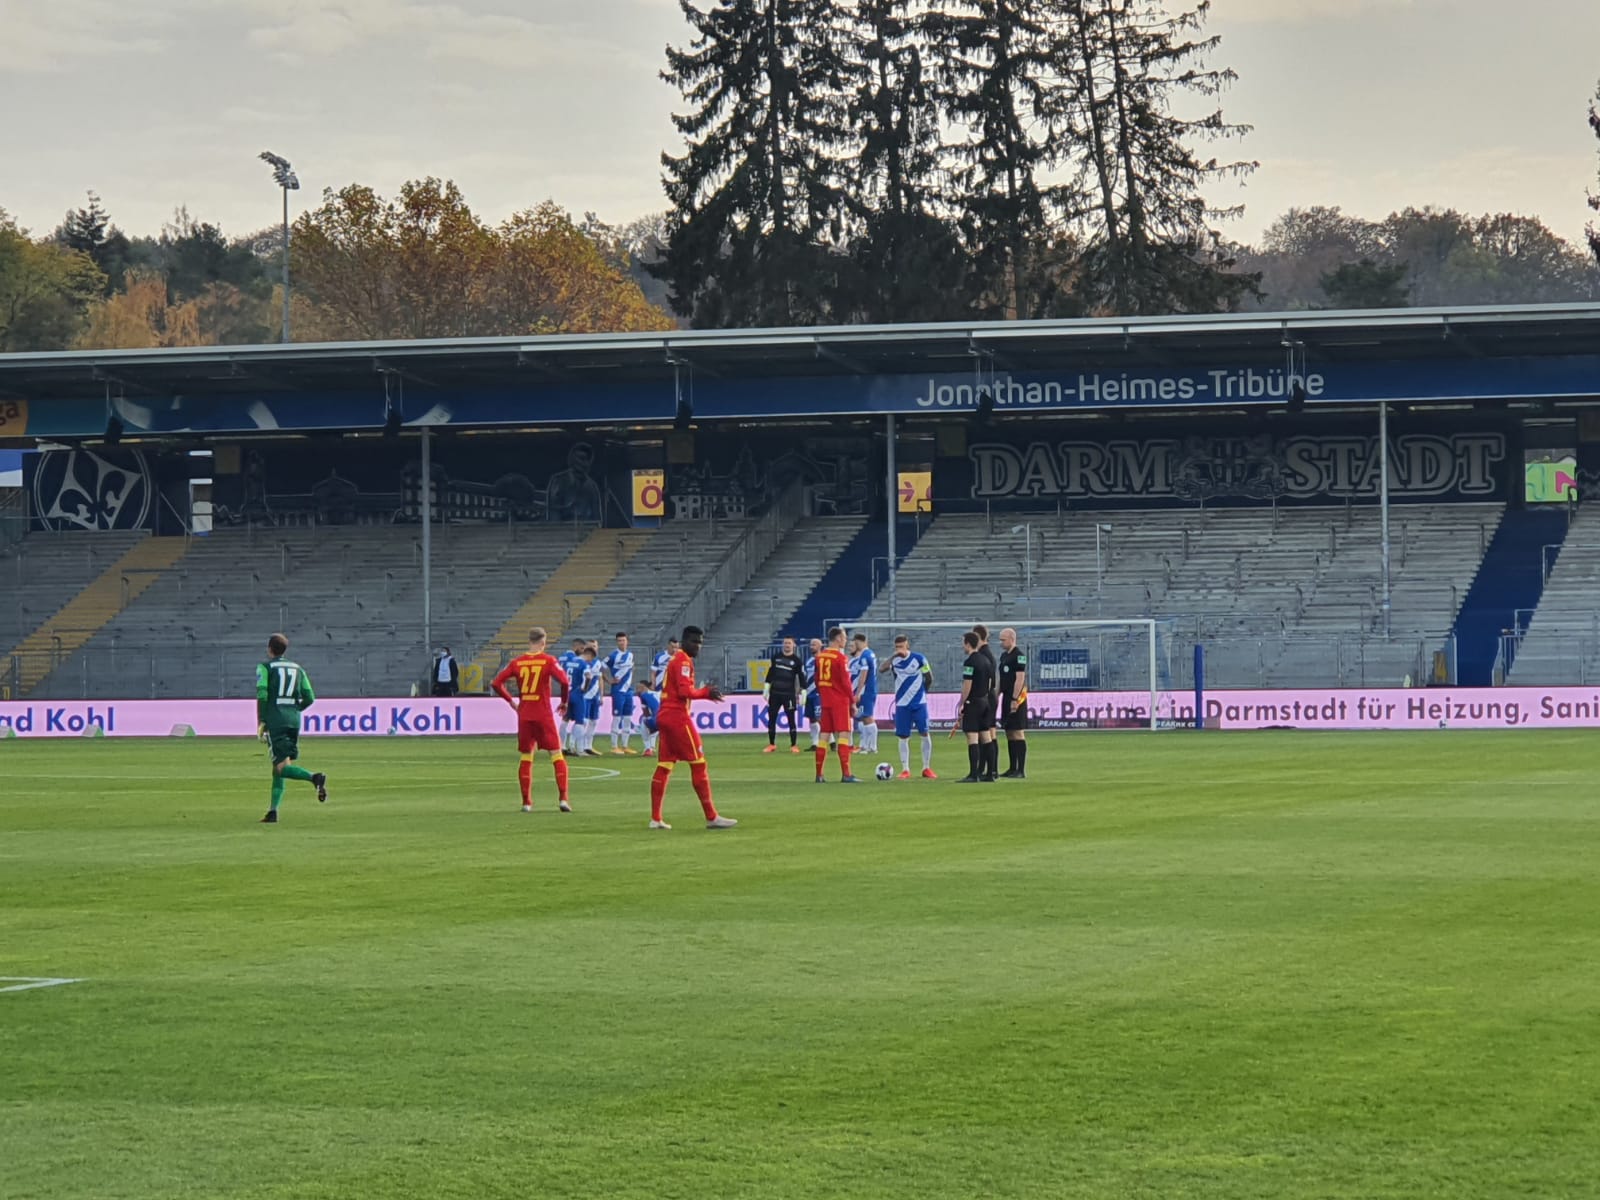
(283, 691)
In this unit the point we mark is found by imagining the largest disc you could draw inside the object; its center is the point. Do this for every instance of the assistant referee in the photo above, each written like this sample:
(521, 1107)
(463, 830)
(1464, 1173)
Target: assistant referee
(977, 710)
(1014, 704)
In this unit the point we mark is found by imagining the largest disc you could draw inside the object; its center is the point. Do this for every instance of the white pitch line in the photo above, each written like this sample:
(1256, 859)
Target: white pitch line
(605, 772)
(24, 983)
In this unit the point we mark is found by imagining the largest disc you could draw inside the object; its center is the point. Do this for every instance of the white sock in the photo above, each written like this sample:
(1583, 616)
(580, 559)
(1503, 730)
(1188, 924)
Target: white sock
(616, 730)
(927, 751)
(905, 754)
(588, 734)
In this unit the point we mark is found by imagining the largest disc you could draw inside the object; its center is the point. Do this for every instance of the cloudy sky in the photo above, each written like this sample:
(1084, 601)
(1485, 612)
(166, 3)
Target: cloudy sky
(1368, 104)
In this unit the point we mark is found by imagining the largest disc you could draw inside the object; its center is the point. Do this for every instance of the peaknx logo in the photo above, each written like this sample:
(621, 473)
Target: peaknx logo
(1093, 389)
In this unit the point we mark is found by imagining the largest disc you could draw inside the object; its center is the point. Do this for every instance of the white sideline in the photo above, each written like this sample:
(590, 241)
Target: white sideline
(23, 983)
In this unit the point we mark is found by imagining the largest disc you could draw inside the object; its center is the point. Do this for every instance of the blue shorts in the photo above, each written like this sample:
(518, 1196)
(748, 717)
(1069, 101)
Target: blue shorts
(622, 704)
(813, 709)
(650, 721)
(912, 717)
(591, 708)
(865, 709)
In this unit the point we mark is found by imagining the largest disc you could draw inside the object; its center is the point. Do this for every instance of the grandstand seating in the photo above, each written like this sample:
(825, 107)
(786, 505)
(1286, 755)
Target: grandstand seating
(658, 582)
(762, 609)
(349, 598)
(41, 573)
(1562, 643)
(1279, 598)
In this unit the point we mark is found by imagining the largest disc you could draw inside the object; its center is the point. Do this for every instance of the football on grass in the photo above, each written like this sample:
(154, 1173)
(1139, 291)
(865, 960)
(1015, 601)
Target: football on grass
(885, 771)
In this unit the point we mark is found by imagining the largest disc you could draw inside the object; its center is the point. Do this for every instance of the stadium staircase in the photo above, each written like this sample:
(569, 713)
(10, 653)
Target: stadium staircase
(763, 610)
(564, 596)
(1506, 589)
(1562, 645)
(107, 595)
(846, 589)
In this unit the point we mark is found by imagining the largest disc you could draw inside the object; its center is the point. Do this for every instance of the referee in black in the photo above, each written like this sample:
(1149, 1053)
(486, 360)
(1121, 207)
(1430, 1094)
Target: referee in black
(785, 677)
(991, 753)
(1013, 705)
(977, 709)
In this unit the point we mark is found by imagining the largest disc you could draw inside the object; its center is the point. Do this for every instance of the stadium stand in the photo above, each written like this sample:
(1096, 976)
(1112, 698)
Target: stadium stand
(1280, 599)
(672, 568)
(561, 599)
(349, 597)
(1506, 588)
(1562, 641)
(764, 608)
(63, 588)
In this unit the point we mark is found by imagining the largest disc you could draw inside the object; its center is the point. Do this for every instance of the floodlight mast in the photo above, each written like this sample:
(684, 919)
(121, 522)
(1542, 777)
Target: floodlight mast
(283, 175)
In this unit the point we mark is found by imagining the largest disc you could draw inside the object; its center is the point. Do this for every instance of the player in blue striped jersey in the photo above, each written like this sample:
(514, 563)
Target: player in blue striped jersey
(572, 718)
(912, 680)
(864, 675)
(619, 677)
(658, 666)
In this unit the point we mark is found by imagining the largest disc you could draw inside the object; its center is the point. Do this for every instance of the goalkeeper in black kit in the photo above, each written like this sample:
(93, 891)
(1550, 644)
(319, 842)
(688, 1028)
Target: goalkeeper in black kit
(785, 679)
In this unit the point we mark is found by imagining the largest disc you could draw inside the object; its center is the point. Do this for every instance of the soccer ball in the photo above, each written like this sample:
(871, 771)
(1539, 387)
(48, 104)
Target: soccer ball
(884, 771)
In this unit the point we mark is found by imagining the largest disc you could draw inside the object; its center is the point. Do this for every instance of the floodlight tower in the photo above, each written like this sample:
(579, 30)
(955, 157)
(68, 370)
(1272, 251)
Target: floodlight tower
(286, 179)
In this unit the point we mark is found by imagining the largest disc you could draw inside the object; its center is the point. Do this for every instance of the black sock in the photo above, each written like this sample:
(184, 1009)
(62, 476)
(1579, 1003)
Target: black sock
(994, 758)
(975, 759)
(1022, 756)
(1011, 755)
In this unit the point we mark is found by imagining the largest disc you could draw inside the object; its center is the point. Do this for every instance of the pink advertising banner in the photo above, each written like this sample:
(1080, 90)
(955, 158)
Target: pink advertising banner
(1329, 708)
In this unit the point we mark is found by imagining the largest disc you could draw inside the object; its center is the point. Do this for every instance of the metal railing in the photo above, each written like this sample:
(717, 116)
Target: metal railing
(738, 565)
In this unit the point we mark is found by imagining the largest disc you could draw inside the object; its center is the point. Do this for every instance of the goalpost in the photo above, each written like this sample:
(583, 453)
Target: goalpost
(1128, 655)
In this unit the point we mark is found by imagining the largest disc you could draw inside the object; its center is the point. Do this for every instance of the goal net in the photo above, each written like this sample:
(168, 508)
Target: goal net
(1106, 673)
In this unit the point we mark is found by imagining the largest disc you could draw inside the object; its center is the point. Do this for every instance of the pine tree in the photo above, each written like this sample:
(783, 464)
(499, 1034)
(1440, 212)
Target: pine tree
(89, 231)
(1593, 231)
(1153, 249)
(908, 261)
(998, 67)
(756, 198)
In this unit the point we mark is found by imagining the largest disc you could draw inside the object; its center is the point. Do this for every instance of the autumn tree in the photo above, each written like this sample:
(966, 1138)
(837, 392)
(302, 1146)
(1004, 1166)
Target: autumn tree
(45, 289)
(424, 265)
(755, 196)
(547, 276)
(139, 315)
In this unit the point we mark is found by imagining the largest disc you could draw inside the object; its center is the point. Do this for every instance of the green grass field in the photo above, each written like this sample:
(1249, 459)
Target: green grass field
(1170, 966)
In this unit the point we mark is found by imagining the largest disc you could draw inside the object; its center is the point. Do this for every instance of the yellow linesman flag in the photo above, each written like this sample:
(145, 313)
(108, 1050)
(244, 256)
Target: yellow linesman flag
(915, 490)
(649, 493)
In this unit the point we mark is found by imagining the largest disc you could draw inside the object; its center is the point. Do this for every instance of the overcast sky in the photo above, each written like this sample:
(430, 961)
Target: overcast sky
(1368, 104)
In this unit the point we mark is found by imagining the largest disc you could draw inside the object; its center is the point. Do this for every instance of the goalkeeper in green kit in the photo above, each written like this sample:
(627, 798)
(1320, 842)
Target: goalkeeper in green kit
(283, 692)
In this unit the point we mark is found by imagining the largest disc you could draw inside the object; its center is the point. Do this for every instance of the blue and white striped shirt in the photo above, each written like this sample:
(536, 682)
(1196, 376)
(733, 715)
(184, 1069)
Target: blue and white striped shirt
(910, 680)
(658, 671)
(620, 664)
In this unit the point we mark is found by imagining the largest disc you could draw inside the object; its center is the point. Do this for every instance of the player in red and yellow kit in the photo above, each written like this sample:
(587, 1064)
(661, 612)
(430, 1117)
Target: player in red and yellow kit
(538, 677)
(679, 739)
(830, 675)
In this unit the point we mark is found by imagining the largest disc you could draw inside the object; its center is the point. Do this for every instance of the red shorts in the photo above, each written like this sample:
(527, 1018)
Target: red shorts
(836, 718)
(679, 743)
(538, 735)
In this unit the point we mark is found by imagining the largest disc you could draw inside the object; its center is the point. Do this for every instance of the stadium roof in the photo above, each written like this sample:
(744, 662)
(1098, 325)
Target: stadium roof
(567, 366)
(1382, 335)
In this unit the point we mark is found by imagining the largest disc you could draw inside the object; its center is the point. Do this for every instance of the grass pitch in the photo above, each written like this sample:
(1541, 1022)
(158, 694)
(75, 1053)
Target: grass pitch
(1166, 966)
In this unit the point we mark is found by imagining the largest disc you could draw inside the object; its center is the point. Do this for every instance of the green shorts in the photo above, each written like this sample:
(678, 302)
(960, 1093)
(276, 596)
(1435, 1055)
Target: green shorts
(285, 744)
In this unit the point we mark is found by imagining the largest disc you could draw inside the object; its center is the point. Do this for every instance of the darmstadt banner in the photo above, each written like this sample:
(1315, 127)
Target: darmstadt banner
(1312, 467)
(1329, 708)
